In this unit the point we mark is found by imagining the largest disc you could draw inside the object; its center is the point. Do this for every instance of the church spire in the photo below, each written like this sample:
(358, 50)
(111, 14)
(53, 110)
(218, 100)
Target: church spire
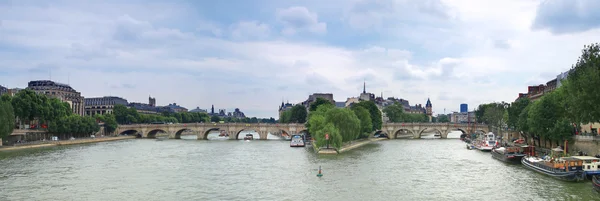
(364, 87)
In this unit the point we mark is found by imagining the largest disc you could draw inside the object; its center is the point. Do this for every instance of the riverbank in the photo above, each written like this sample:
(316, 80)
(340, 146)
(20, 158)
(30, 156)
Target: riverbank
(347, 146)
(65, 142)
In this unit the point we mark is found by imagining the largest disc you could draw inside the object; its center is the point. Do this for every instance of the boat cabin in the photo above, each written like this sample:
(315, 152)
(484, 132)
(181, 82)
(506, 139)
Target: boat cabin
(528, 149)
(249, 137)
(590, 165)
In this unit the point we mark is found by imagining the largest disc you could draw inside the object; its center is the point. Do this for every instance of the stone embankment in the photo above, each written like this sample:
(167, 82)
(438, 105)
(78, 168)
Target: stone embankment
(347, 146)
(65, 142)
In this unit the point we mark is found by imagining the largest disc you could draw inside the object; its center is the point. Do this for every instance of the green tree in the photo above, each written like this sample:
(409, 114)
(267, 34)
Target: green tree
(523, 122)
(215, 119)
(376, 116)
(7, 118)
(110, 122)
(547, 117)
(28, 105)
(335, 137)
(366, 124)
(298, 114)
(395, 112)
(582, 86)
(514, 111)
(494, 116)
(345, 121)
(57, 109)
(319, 102)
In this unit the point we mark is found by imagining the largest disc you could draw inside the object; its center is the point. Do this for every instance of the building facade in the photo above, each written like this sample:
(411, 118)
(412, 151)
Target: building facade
(102, 105)
(145, 108)
(198, 110)
(63, 92)
(462, 117)
(174, 107)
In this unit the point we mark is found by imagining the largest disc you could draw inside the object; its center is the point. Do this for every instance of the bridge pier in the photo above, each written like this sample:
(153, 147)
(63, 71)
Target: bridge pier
(444, 134)
(263, 134)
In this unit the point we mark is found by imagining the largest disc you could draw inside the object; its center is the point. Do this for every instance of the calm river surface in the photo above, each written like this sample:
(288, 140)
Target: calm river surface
(187, 169)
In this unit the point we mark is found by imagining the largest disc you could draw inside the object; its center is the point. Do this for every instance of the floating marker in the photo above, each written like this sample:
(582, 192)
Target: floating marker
(320, 173)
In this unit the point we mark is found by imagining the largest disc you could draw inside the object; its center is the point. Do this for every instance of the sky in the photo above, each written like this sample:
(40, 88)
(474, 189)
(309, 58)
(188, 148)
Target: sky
(254, 54)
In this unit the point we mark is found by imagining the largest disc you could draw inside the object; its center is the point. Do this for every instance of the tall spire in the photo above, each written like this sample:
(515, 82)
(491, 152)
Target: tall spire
(382, 94)
(364, 87)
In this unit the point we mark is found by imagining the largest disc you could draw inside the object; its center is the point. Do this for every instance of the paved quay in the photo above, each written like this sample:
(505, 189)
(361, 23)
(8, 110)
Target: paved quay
(65, 142)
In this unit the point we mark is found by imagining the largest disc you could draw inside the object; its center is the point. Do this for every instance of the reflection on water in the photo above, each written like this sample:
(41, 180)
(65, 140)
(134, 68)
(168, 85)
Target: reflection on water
(190, 169)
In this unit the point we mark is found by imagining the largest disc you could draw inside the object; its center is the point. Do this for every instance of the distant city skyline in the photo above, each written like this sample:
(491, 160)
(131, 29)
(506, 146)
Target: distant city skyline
(199, 53)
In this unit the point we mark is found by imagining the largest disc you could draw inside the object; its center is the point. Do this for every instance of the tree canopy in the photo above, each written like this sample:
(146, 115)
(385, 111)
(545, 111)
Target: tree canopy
(7, 117)
(581, 86)
(376, 116)
(285, 116)
(298, 114)
(342, 124)
(320, 101)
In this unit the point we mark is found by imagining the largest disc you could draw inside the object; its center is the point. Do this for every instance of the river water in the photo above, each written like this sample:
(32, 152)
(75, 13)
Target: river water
(189, 169)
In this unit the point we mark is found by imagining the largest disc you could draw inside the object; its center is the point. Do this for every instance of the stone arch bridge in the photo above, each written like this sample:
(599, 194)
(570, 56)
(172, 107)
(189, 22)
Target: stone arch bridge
(416, 129)
(202, 129)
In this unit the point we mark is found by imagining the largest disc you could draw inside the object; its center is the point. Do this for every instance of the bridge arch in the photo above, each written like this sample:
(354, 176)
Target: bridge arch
(458, 129)
(129, 132)
(378, 133)
(237, 133)
(435, 129)
(152, 133)
(403, 133)
(180, 131)
(204, 135)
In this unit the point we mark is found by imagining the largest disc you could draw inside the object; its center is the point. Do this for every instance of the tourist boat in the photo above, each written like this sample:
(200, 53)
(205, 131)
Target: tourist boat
(563, 168)
(297, 141)
(508, 154)
(487, 143)
(249, 137)
(591, 165)
(223, 134)
(596, 182)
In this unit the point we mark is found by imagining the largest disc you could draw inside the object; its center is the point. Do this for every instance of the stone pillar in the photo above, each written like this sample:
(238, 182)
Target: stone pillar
(200, 134)
(444, 134)
(263, 135)
(416, 133)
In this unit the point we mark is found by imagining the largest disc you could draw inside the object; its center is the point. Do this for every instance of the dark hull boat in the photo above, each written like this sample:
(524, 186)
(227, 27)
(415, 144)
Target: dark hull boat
(567, 170)
(508, 154)
(596, 182)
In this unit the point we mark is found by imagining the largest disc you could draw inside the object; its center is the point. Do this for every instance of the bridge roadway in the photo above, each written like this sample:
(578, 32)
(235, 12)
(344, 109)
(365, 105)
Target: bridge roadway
(234, 129)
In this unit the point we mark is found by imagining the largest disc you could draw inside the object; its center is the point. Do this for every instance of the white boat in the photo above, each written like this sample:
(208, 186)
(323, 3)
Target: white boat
(487, 142)
(249, 137)
(591, 165)
(297, 141)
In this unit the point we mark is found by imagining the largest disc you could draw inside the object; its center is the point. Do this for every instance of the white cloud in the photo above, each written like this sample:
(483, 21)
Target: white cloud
(295, 19)
(454, 52)
(250, 30)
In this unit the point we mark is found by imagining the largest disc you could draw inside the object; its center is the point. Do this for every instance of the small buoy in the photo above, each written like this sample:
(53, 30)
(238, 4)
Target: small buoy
(320, 173)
